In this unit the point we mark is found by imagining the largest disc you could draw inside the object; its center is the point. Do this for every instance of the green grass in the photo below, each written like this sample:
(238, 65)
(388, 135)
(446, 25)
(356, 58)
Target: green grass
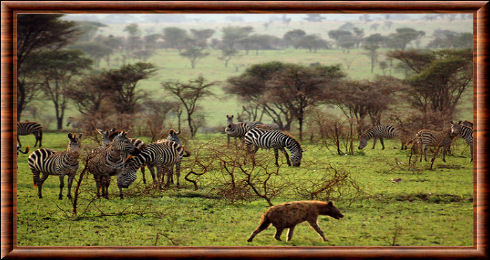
(427, 208)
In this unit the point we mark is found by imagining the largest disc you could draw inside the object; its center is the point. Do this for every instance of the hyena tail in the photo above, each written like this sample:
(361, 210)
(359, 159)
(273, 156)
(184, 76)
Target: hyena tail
(264, 223)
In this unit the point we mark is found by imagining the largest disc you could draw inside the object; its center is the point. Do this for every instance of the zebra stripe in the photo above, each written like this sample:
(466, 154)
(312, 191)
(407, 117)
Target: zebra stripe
(27, 128)
(50, 162)
(174, 136)
(379, 131)
(239, 129)
(108, 161)
(436, 139)
(465, 132)
(263, 138)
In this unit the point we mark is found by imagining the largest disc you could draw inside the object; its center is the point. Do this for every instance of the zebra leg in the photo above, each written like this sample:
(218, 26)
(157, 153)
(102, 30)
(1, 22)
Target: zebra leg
(18, 141)
(382, 143)
(434, 157)
(152, 171)
(70, 182)
(62, 184)
(143, 173)
(286, 155)
(425, 153)
(105, 186)
(171, 169)
(169, 173)
(159, 176)
(40, 185)
(374, 141)
(120, 192)
(97, 184)
(40, 138)
(177, 173)
(276, 155)
(444, 151)
(228, 140)
(471, 151)
(37, 138)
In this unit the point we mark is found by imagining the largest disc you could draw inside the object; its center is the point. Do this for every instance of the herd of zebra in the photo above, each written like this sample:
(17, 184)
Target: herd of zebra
(122, 156)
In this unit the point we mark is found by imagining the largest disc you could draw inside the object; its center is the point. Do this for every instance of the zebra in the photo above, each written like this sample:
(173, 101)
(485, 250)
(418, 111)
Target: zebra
(49, 162)
(174, 136)
(107, 161)
(263, 138)
(108, 135)
(239, 129)
(378, 131)
(162, 155)
(75, 123)
(20, 150)
(465, 132)
(466, 123)
(27, 128)
(436, 139)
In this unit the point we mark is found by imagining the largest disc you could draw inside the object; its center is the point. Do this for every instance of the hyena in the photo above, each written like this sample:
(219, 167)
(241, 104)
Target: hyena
(288, 215)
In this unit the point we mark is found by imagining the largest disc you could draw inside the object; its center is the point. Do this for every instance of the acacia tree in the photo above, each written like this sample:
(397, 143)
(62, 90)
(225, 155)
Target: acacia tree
(123, 83)
(438, 78)
(56, 71)
(189, 94)
(36, 32)
(299, 87)
(372, 44)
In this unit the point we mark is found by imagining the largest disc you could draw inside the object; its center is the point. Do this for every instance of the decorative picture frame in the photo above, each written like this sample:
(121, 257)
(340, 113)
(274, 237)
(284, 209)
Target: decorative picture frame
(479, 9)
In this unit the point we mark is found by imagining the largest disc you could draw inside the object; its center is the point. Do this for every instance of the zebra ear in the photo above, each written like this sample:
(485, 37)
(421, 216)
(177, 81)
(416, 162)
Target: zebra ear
(459, 122)
(177, 133)
(100, 131)
(70, 136)
(80, 136)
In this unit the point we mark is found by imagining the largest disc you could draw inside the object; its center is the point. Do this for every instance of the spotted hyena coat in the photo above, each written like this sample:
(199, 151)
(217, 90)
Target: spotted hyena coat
(288, 215)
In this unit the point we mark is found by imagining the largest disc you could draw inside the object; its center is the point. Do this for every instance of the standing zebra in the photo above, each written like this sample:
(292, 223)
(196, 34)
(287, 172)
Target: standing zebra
(174, 136)
(239, 129)
(264, 138)
(49, 162)
(108, 135)
(163, 155)
(27, 128)
(436, 139)
(465, 132)
(106, 162)
(379, 131)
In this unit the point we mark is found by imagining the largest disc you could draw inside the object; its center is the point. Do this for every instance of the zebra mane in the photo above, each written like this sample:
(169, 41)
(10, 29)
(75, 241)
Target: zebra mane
(292, 137)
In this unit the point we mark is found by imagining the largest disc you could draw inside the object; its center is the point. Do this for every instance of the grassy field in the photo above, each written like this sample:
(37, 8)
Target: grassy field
(427, 208)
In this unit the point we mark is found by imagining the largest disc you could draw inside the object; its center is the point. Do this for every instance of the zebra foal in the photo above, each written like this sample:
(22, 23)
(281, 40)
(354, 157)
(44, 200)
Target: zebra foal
(465, 132)
(27, 128)
(49, 162)
(105, 162)
(264, 138)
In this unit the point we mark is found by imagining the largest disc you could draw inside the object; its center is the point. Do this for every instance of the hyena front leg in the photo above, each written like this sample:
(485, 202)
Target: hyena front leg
(277, 236)
(290, 233)
(314, 225)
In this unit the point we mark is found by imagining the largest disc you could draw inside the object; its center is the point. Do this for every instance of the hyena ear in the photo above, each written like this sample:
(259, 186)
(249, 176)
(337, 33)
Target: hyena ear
(330, 203)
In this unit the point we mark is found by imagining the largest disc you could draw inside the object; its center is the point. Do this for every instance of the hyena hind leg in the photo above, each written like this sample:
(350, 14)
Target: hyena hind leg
(263, 225)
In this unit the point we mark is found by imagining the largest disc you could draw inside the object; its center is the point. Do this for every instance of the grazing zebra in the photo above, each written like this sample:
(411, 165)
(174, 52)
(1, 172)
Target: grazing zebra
(465, 132)
(174, 136)
(107, 137)
(27, 128)
(108, 161)
(379, 131)
(49, 162)
(436, 139)
(262, 138)
(163, 155)
(239, 129)
(20, 151)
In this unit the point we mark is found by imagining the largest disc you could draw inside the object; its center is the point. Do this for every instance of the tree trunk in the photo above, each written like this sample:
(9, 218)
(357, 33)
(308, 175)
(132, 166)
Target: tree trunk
(60, 122)
(300, 120)
(189, 122)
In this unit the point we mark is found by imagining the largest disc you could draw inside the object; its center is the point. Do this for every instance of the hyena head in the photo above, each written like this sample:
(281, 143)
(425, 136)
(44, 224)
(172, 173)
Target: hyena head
(75, 142)
(330, 210)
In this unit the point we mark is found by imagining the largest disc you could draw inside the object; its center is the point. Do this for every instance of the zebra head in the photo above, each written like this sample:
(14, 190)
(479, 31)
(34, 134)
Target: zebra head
(126, 177)
(229, 119)
(363, 139)
(75, 142)
(230, 129)
(296, 152)
(174, 136)
(122, 143)
(455, 128)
